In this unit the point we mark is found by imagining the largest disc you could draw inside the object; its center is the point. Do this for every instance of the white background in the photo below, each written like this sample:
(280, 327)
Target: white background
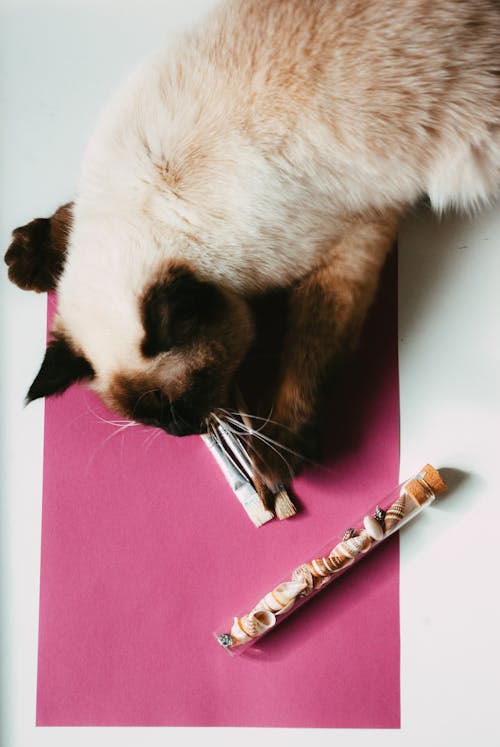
(59, 61)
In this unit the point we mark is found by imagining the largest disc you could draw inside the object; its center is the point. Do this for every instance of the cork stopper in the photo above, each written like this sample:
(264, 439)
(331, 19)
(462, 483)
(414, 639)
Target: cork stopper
(431, 476)
(427, 484)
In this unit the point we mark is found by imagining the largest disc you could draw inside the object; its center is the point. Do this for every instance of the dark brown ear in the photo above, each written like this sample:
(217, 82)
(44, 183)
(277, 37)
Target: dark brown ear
(61, 367)
(176, 309)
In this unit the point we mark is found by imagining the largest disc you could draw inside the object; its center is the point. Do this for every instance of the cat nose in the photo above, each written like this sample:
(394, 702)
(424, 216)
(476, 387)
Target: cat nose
(183, 422)
(175, 428)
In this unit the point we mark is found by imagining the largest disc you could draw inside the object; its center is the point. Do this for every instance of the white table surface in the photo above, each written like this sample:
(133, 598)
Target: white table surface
(59, 61)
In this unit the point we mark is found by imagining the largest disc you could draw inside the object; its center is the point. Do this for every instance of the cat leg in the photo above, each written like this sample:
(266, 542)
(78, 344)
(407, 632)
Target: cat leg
(36, 255)
(326, 314)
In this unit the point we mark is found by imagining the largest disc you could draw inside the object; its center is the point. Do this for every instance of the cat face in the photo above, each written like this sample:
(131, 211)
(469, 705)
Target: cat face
(164, 356)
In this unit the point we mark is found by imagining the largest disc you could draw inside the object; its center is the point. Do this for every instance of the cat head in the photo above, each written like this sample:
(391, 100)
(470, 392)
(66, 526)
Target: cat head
(159, 347)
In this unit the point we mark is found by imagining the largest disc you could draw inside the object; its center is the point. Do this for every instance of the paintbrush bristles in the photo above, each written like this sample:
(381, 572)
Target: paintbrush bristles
(231, 431)
(283, 506)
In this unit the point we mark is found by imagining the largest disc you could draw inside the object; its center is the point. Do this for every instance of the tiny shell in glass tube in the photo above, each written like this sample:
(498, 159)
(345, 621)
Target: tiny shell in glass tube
(379, 522)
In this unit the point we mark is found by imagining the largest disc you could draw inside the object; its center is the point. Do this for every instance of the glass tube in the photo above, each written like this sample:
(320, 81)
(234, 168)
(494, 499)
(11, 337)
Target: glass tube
(380, 521)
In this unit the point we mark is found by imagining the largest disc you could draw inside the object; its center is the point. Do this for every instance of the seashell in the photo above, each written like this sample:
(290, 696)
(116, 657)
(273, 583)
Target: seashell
(373, 528)
(395, 513)
(351, 547)
(330, 564)
(303, 574)
(366, 540)
(284, 595)
(319, 567)
(262, 620)
(225, 640)
(349, 533)
(338, 561)
(379, 515)
(250, 626)
(244, 628)
(280, 599)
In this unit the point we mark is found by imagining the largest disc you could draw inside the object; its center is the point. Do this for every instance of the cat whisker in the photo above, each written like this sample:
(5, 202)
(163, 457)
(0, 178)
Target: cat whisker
(105, 420)
(233, 448)
(141, 396)
(270, 443)
(179, 421)
(273, 448)
(246, 430)
(103, 443)
(151, 439)
(249, 416)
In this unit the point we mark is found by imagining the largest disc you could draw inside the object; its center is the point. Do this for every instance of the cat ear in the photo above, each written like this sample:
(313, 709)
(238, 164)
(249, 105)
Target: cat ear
(61, 367)
(176, 308)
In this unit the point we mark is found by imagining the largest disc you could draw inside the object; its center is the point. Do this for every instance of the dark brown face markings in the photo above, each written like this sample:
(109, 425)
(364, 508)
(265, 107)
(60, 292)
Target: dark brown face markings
(61, 367)
(178, 308)
(36, 255)
(141, 399)
(195, 335)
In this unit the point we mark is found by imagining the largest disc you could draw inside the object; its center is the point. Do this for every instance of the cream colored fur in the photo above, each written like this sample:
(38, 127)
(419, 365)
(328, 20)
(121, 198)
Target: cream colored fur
(255, 143)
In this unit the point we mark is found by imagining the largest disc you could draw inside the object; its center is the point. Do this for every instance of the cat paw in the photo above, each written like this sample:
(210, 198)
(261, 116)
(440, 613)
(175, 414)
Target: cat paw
(277, 455)
(33, 262)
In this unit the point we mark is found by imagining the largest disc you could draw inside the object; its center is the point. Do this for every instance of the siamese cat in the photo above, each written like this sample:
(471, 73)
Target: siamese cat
(275, 146)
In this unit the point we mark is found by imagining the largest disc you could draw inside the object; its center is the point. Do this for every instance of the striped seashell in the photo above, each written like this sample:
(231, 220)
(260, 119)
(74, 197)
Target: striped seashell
(319, 567)
(366, 541)
(395, 513)
(338, 561)
(330, 565)
(280, 599)
(351, 547)
(250, 626)
(303, 574)
(349, 533)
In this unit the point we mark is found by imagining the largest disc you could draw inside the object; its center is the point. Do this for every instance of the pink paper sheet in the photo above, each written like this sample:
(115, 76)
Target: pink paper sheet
(145, 552)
